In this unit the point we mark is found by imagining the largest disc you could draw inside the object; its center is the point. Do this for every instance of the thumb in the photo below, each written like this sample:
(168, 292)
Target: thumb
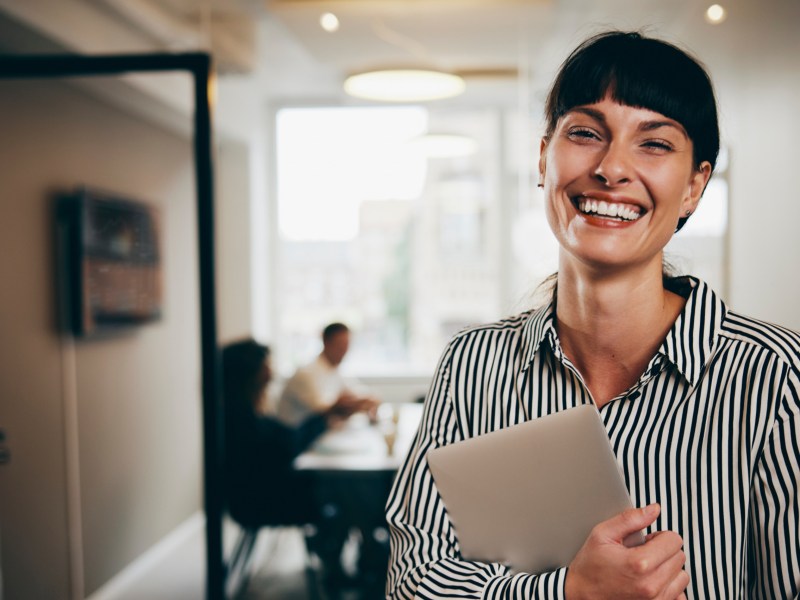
(631, 521)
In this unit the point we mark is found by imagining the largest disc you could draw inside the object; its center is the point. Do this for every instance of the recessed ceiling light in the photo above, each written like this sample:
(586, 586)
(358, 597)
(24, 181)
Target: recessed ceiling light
(715, 14)
(404, 85)
(329, 22)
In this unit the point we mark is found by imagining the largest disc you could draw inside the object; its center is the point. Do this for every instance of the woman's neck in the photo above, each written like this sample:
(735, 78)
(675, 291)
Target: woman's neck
(610, 326)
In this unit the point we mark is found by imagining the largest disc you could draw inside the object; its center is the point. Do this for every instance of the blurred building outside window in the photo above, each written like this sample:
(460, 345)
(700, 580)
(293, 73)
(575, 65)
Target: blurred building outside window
(407, 247)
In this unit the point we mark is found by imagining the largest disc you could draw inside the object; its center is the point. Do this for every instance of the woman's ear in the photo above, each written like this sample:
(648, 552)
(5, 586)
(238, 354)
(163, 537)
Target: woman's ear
(697, 185)
(542, 160)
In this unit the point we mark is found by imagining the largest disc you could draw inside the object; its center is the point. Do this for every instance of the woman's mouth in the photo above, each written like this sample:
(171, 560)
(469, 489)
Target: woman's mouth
(609, 210)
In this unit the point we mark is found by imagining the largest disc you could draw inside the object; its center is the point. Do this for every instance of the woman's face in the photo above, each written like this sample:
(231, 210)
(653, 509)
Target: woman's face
(616, 180)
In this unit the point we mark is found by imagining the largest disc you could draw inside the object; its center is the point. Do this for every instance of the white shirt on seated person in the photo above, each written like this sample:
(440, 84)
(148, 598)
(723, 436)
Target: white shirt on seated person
(312, 389)
(317, 386)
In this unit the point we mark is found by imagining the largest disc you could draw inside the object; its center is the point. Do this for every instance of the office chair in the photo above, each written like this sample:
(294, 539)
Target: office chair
(238, 569)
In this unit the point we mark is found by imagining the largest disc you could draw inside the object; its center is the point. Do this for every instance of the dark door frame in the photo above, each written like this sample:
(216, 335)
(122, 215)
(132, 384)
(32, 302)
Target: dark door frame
(199, 66)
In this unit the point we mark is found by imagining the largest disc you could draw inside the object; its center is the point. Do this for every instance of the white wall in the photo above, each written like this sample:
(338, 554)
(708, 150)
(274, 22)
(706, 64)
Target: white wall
(754, 60)
(234, 242)
(763, 122)
(136, 397)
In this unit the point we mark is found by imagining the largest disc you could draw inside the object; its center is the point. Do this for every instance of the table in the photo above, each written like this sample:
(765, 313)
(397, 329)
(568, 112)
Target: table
(352, 473)
(361, 447)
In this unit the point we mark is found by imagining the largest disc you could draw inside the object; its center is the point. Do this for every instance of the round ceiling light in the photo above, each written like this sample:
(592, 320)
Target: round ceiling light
(404, 85)
(329, 22)
(715, 14)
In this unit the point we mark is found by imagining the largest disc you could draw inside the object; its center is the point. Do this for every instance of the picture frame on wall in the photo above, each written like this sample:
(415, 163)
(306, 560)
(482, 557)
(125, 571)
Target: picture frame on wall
(111, 260)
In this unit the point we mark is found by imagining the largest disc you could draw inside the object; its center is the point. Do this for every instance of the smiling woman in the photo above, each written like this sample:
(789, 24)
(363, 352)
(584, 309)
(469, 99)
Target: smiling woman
(614, 168)
(655, 76)
(701, 404)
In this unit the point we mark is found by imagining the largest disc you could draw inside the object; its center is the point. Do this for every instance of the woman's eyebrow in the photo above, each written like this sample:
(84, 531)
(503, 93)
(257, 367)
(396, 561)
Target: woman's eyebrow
(591, 112)
(652, 125)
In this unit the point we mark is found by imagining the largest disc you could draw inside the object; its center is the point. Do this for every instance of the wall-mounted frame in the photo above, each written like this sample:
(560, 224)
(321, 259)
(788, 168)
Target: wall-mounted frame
(111, 261)
(199, 66)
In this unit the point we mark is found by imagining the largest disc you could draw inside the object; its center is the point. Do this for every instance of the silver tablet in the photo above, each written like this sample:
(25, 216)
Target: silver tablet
(527, 496)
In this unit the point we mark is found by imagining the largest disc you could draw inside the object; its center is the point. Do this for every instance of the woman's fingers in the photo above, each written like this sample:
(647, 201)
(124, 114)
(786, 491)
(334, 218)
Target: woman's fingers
(676, 588)
(664, 578)
(619, 527)
(661, 547)
(606, 568)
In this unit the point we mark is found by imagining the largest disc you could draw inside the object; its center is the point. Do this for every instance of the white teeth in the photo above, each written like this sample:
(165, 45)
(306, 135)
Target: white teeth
(608, 209)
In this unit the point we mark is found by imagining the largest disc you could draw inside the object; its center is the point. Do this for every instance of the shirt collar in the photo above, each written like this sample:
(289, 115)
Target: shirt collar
(540, 326)
(691, 340)
(688, 345)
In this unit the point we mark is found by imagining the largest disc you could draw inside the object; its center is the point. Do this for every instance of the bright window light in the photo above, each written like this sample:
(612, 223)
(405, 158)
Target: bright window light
(375, 232)
(331, 160)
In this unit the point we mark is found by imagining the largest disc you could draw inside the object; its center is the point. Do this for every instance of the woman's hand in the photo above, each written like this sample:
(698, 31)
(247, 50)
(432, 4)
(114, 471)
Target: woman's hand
(605, 568)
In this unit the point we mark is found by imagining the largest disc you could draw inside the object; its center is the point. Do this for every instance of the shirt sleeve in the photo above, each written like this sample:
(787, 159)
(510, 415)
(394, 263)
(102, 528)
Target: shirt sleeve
(425, 559)
(775, 507)
(283, 443)
(300, 398)
(356, 387)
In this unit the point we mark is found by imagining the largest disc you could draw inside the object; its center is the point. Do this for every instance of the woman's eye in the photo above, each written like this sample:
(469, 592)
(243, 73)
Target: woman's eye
(581, 134)
(658, 145)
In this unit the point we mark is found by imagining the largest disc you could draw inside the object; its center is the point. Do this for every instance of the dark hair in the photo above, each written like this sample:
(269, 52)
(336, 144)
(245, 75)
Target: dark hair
(642, 72)
(241, 363)
(332, 329)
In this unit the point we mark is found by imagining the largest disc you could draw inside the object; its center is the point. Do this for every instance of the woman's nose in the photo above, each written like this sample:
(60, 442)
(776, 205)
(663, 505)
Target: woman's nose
(614, 167)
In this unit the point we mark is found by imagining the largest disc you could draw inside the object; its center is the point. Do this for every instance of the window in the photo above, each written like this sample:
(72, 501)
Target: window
(406, 244)
(378, 230)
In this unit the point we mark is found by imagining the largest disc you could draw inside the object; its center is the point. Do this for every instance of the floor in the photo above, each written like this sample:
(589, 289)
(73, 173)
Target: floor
(278, 568)
(279, 573)
(177, 571)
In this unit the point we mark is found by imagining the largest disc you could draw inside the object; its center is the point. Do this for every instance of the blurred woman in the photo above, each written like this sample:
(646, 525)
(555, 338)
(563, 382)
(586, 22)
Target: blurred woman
(262, 487)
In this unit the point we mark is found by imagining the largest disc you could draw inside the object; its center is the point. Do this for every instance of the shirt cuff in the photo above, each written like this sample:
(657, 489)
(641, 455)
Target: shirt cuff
(545, 586)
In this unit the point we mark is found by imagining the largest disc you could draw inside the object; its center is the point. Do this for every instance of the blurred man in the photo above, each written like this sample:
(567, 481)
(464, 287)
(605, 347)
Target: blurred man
(359, 505)
(317, 386)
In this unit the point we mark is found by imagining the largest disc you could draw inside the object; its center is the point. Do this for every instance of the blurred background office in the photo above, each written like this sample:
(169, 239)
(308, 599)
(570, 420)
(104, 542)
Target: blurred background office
(405, 218)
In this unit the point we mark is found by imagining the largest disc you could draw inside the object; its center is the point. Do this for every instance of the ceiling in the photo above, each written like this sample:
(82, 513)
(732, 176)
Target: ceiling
(494, 43)
(489, 41)
(454, 35)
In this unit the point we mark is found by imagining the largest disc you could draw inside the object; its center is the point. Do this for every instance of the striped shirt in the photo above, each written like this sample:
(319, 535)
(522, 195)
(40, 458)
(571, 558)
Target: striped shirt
(710, 431)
